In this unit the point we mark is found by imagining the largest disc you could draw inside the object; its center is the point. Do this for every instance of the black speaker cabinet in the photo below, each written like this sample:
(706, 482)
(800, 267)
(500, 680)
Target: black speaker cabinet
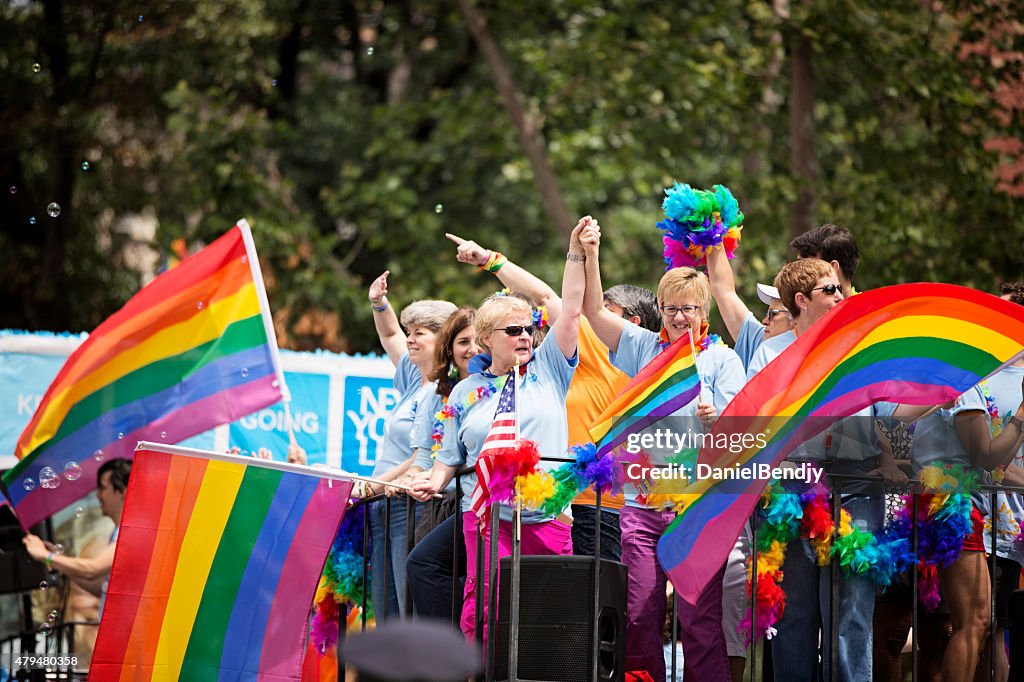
(556, 611)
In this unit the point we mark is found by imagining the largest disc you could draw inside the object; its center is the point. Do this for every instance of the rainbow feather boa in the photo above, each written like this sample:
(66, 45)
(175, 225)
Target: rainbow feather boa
(551, 491)
(943, 519)
(341, 583)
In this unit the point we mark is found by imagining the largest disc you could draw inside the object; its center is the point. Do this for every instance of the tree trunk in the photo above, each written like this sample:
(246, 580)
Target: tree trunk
(530, 139)
(803, 150)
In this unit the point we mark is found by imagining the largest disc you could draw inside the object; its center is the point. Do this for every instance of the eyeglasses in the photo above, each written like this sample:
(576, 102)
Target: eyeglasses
(772, 312)
(829, 289)
(671, 310)
(516, 329)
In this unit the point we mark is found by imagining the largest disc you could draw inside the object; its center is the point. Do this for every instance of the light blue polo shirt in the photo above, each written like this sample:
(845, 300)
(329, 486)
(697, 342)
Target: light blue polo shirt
(396, 445)
(750, 338)
(541, 402)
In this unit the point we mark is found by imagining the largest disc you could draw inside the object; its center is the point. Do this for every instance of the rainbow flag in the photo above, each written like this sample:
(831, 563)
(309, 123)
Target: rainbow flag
(217, 562)
(920, 344)
(665, 384)
(193, 349)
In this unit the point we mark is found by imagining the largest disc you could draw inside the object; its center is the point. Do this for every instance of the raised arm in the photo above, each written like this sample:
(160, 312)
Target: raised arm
(606, 324)
(723, 290)
(392, 338)
(511, 275)
(567, 327)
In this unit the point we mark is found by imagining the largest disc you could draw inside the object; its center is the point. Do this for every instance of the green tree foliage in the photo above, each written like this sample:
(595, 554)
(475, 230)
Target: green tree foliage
(353, 134)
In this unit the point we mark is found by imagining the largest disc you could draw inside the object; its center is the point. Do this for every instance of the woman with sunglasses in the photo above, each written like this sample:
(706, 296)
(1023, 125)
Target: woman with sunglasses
(504, 327)
(684, 298)
(412, 353)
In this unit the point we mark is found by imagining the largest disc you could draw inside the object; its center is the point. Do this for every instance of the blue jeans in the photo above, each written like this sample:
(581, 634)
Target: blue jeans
(392, 574)
(808, 594)
(434, 571)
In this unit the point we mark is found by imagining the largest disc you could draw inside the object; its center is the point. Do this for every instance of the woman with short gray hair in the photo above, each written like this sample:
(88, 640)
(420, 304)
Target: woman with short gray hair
(412, 353)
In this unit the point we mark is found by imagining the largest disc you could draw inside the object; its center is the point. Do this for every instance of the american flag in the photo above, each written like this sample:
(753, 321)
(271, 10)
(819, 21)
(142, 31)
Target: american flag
(502, 436)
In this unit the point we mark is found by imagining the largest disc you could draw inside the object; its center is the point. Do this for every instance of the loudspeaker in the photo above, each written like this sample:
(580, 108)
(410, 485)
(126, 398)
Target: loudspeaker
(556, 612)
(18, 571)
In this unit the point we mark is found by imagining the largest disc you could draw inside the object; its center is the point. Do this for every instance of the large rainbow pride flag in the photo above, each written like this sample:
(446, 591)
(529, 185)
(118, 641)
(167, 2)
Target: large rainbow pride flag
(193, 349)
(218, 558)
(664, 385)
(919, 344)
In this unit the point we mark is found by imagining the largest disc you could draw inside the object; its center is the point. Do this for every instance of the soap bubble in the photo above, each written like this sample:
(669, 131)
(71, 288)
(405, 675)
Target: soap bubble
(32, 220)
(244, 372)
(72, 471)
(58, 549)
(48, 478)
(36, 68)
(79, 512)
(53, 209)
(29, 484)
(43, 585)
(45, 629)
(438, 208)
(85, 165)
(98, 456)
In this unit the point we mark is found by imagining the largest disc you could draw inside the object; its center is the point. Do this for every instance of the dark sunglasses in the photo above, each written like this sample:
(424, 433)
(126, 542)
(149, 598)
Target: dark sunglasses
(516, 329)
(829, 289)
(772, 312)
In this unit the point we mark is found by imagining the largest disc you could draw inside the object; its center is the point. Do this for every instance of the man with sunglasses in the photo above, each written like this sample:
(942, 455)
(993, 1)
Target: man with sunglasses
(743, 326)
(810, 288)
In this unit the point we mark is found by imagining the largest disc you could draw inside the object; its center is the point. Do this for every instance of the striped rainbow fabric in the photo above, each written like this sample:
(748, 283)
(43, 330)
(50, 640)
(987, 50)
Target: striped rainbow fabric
(217, 562)
(919, 344)
(664, 385)
(193, 349)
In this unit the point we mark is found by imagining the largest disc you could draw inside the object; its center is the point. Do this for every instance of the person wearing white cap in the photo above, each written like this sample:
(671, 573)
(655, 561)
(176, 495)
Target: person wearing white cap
(746, 331)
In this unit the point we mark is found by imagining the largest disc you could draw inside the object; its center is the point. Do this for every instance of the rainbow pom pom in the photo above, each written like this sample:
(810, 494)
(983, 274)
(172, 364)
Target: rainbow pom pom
(696, 221)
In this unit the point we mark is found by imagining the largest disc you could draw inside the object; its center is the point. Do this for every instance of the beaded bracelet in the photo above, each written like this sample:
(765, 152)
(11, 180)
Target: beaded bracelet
(49, 561)
(383, 306)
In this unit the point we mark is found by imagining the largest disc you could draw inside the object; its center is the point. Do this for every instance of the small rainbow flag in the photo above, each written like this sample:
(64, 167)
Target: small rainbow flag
(193, 349)
(217, 562)
(664, 385)
(919, 344)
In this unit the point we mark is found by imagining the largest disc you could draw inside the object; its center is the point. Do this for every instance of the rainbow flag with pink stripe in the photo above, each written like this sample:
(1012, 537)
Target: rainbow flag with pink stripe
(218, 559)
(194, 349)
(918, 344)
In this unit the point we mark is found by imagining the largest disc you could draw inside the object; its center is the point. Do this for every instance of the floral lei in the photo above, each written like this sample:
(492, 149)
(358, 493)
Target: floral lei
(450, 411)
